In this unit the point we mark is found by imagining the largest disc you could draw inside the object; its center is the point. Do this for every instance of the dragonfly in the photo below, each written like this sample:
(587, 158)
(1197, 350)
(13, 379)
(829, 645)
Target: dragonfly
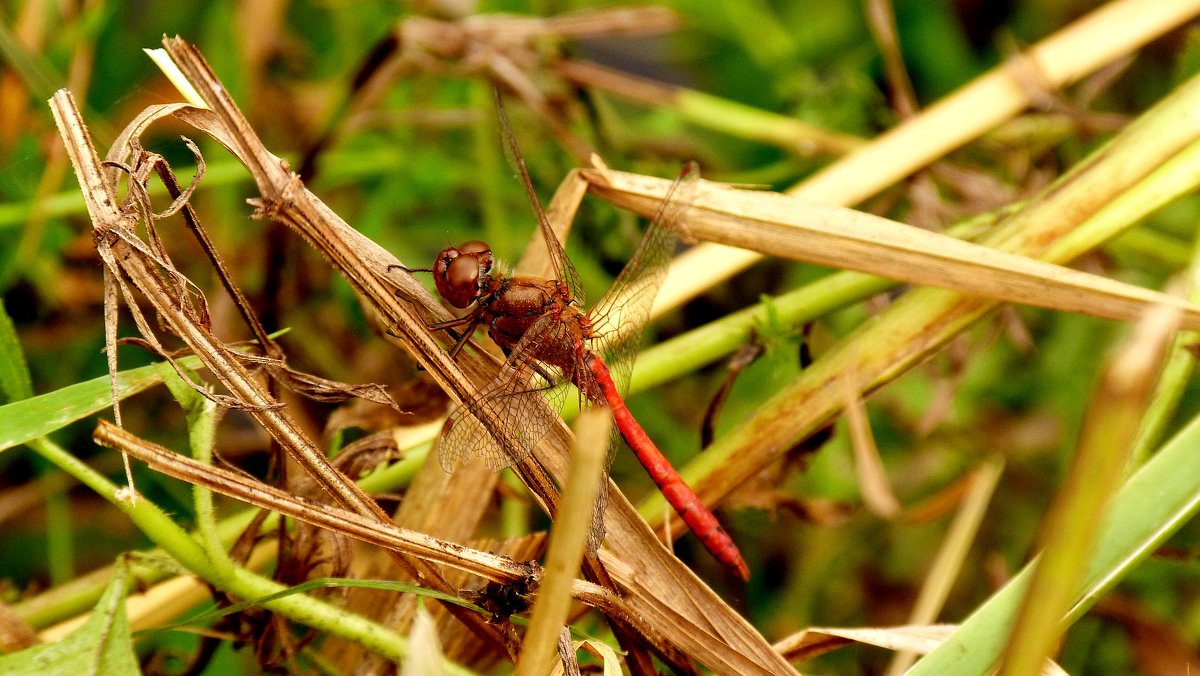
(550, 340)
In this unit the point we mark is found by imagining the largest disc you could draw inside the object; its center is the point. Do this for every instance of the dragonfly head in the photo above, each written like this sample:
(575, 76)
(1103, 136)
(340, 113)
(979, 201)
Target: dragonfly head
(461, 273)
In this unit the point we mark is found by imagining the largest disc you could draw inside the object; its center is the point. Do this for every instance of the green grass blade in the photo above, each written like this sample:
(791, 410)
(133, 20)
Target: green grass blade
(1153, 504)
(25, 420)
(14, 373)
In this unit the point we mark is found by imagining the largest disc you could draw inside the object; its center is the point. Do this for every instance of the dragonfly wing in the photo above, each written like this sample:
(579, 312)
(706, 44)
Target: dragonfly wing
(520, 405)
(621, 314)
(590, 395)
(597, 533)
(564, 271)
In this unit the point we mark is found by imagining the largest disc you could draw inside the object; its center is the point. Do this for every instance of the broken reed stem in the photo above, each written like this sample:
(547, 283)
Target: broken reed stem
(568, 540)
(388, 536)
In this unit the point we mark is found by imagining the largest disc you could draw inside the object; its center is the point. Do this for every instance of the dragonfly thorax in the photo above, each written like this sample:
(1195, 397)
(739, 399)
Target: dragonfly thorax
(514, 304)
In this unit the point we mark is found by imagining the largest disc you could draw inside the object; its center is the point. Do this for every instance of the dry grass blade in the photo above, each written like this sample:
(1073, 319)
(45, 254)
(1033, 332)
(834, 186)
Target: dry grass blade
(568, 539)
(566, 200)
(948, 561)
(785, 227)
(918, 639)
(815, 641)
(876, 489)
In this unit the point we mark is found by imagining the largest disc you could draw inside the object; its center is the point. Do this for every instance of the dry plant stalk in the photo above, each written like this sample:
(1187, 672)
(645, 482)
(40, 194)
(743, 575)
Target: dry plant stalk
(504, 50)
(341, 521)
(874, 486)
(947, 563)
(568, 542)
(1098, 467)
(917, 639)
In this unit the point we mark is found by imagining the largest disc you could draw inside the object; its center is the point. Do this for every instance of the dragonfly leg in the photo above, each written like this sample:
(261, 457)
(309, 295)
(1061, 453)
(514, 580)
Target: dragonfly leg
(471, 321)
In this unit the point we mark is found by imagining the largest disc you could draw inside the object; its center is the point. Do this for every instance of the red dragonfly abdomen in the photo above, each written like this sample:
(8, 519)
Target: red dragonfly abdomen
(678, 494)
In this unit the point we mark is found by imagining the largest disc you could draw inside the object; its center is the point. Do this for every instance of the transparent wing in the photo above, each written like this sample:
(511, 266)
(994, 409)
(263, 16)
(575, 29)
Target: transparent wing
(520, 405)
(621, 314)
(590, 395)
(564, 271)
(596, 534)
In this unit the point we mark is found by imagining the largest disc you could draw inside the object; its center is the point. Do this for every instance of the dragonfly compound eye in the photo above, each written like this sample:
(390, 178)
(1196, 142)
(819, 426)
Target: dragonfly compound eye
(481, 252)
(475, 246)
(460, 283)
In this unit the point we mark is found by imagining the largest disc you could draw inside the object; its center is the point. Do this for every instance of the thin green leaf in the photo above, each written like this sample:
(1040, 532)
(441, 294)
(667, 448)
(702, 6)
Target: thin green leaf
(28, 419)
(38, 416)
(14, 373)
